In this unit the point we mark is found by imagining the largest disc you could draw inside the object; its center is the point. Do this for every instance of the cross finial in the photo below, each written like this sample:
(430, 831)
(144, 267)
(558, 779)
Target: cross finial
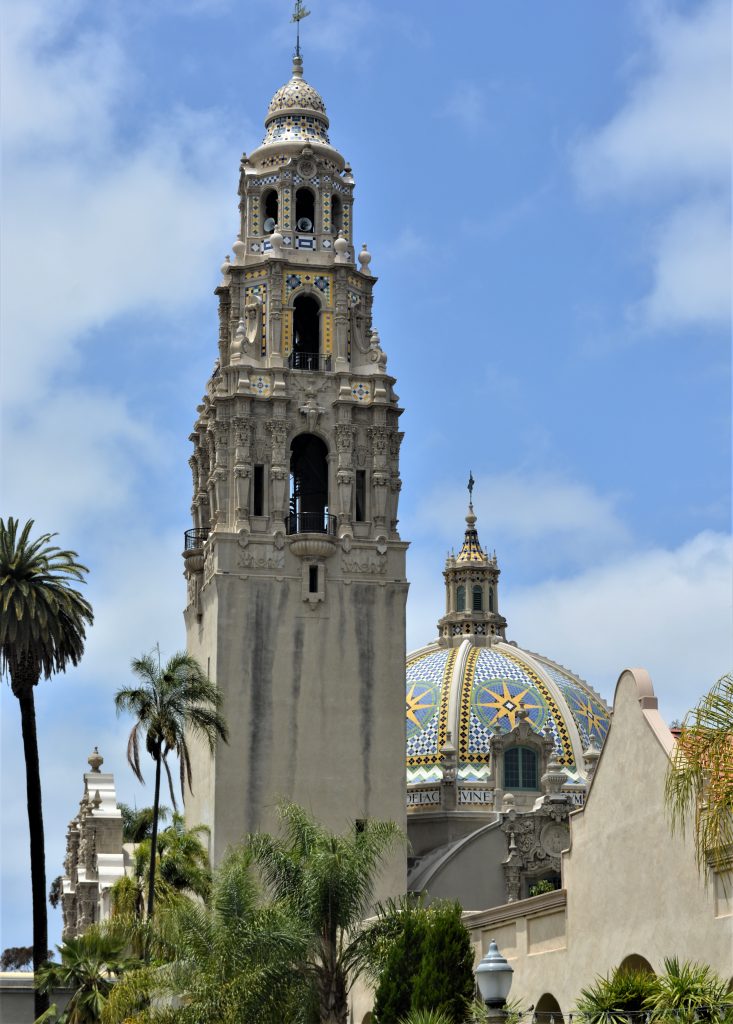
(471, 483)
(299, 12)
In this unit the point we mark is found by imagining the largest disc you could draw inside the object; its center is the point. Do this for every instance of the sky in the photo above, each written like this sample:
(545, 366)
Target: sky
(545, 191)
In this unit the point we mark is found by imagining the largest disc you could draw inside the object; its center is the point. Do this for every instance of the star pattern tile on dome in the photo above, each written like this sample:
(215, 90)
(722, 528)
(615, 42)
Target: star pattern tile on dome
(494, 685)
(426, 697)
(590, 715)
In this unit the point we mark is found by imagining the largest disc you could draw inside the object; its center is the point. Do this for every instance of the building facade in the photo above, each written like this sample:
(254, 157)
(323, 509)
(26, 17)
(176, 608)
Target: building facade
(295, 567)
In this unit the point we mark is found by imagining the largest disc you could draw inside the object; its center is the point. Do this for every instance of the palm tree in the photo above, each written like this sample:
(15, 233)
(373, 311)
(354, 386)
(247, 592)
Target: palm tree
(43, 623)
(327, 881)
(230, 961)
(137, 824)
(169, 702)
(90, 965)
(182, 869)
(689, 992)
(699, 784)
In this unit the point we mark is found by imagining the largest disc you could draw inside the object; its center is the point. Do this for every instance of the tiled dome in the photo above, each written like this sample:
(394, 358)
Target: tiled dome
(471, 691)
(296, 112)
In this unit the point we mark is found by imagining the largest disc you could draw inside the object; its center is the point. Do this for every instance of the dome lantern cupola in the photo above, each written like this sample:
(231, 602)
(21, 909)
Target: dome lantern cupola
(471, 590)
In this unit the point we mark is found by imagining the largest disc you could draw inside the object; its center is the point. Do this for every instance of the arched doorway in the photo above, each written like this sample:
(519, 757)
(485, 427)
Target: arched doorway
(547, 1010)
(308, 485)
(635, 962)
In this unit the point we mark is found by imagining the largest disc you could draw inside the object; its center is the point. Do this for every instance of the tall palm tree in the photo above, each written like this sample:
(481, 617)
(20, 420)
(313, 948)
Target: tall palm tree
(327, 881)
(137, 823)
(43, 623)
(699, 785)
(170, 701)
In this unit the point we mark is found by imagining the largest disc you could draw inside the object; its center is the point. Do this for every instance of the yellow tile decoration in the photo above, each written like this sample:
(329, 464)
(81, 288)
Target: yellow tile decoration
(261, 384)
(286, 207)
(327, 332)
(361, 391)
(287, 331)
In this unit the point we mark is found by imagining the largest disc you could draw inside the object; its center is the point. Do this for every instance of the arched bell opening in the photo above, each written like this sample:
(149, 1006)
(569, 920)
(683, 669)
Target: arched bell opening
(270, 211)
(306, 333)
(305, 210)
(337, 214)
(547, 1010)
(309, 485)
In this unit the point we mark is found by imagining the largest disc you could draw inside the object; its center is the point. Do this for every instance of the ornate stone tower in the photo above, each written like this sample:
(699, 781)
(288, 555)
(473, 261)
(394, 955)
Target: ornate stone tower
(471, 591)
(295, 569)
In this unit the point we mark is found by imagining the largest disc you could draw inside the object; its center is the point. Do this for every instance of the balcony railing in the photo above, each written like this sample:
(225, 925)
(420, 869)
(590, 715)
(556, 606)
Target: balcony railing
(195, 539)
(311, 522)
(309, 361)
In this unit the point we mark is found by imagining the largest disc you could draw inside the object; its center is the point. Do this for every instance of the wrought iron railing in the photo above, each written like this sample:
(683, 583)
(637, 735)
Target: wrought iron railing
(311, 522)
(195, 538)
(309, 361)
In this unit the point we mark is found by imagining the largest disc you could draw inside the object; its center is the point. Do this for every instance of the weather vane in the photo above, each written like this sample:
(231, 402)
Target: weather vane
(471, 483)
(299, 13)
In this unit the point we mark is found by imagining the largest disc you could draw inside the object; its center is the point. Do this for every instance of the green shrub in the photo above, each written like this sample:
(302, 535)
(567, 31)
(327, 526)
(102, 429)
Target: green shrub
(445, 981)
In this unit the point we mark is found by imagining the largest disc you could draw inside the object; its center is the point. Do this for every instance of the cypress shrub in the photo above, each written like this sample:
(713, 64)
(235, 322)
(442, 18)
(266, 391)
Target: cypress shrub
(445, 981)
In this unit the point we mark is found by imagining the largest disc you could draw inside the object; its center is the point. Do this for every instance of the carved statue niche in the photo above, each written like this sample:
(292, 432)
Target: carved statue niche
(358, 325)
(248, 336)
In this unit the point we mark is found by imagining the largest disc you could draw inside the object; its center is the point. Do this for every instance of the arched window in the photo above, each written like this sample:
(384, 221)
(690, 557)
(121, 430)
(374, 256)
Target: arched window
(269, 211)
(337, 218)
(491, 599)
(308, 485)
(477, 598)
(460, 598)
(306, 333)
(304, 210)
(548, 1009)
(520, 768)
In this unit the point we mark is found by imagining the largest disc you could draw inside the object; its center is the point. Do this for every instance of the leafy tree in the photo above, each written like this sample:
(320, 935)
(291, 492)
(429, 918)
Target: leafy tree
(90, 965)
(229, 962)
(326, 881)
(445, 981)
(56, 891)
(393, 996)
(16, 958)
(171, 701)
(43, 622)
(699, 785)
(690, 992)
(137, 824)
(608, 1000)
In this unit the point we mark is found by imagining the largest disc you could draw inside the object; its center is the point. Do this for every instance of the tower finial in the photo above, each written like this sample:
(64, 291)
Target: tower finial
(299, 13)
(471, 483)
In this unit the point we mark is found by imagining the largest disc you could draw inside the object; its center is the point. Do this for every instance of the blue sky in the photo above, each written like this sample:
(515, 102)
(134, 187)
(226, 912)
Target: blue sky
(545, 191)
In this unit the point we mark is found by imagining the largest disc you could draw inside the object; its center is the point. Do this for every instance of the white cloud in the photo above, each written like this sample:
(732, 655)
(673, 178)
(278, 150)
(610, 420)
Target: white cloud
(668, 147)
(466, 105)
(95, 227)
(530, 508)
(667, 610)
(692, 268)
(673, 128)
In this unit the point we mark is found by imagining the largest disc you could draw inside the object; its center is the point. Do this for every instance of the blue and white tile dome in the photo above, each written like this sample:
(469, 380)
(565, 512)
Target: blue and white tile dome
(471, 691)
(296, 112)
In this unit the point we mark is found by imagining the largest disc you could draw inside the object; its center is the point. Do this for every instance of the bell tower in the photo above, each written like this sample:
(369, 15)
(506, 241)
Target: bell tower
(295, 568)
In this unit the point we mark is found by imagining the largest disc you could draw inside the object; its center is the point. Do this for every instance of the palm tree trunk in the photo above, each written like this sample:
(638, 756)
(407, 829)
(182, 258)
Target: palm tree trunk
(35, 827)
(154, 836)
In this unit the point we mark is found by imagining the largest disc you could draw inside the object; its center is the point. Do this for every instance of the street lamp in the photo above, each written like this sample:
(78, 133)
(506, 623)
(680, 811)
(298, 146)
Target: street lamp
(494, 979)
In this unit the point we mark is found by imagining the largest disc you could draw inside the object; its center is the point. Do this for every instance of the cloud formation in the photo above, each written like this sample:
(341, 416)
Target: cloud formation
(668, 149)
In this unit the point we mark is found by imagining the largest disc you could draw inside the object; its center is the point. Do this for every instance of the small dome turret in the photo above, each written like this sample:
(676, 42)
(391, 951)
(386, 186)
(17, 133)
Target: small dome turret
(297, 112)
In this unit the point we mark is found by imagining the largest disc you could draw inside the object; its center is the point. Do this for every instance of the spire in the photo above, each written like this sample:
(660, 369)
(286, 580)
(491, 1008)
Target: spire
(471, 550)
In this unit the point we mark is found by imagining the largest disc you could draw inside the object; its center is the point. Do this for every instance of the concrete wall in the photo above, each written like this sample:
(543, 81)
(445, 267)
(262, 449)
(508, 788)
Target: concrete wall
(313, 697)
(17, 997)
(630, 888)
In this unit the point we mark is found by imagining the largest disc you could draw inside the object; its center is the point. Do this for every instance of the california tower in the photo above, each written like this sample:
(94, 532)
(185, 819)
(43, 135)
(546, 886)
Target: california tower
(295, 567)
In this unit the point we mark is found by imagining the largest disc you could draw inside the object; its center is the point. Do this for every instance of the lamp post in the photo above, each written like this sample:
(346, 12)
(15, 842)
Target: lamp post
(494, 979)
